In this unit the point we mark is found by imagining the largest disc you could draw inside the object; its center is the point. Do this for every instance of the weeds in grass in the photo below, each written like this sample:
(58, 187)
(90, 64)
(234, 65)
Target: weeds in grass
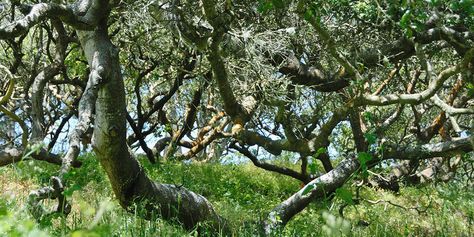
(242, 194)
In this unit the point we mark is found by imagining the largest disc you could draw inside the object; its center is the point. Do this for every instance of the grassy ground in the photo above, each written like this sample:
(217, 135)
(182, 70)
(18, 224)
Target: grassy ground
(242, 194)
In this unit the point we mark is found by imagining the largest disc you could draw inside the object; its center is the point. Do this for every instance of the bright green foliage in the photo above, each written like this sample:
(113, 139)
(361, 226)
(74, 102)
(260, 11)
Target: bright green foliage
(470, 89)
(313, 168)
(370, 137)
(265, 6)
(363, 158)
(241, 194)
(345, 195)
(320, 151)
(308, 189)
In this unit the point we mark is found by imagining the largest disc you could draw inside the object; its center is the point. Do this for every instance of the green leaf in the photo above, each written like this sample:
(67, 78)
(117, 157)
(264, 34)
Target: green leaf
(345, 195)
(264, 6)
(409, 32)
(308, 15)
(308, 189)
(470, 89)
(370, 137)
(434, 2)
(68, 192)
(3, 209)
(466, 5)
(454, 6)
(405, 20)
(368, 117)
(278, 3)
(320, 151)
(404, 3)
(312, 168)
(363, 158)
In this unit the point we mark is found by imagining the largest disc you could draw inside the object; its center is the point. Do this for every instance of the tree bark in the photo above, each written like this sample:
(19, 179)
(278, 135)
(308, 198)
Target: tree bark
(128, 179)
(320, 187)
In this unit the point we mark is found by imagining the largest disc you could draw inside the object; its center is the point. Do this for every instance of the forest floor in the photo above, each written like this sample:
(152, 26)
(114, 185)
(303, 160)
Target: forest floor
(242, 194)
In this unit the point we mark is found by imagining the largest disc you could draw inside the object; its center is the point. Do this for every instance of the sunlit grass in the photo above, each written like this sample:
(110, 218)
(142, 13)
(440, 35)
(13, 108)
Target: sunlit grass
(242, 194)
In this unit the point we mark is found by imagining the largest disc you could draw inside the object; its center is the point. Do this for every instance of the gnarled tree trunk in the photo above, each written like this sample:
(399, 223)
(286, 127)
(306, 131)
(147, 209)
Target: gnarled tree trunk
(129, 182)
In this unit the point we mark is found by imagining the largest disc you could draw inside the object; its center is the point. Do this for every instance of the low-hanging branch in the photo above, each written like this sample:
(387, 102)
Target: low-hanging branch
(270, 167)
(317, 188)
(13, 155)
(442, 149)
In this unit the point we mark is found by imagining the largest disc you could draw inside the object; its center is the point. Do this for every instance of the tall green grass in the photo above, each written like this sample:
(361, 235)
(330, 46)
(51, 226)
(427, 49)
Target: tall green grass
(241, 193)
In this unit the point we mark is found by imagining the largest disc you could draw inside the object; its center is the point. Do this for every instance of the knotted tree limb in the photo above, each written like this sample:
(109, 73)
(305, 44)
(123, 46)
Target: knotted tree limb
(312, 76)
(70, 14)
(37, 113)
(85, 120)
(239, 114)
(407, 168)
(81, 9)
(129, 181)
(417, 98)
(40, 81)
(203, 142)
(189, 119)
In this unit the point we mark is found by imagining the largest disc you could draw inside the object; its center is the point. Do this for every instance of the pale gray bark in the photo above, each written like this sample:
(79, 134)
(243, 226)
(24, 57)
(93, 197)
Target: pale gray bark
(37, 97)
(38, 12)
(320, 187)
(129, 182)
(40, 81)
(442, 149)
(417, 98)
(12, 155)
(450, 109)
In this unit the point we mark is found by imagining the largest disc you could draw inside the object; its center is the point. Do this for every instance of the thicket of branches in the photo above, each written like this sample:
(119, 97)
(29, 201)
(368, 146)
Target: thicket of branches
(344, 87)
